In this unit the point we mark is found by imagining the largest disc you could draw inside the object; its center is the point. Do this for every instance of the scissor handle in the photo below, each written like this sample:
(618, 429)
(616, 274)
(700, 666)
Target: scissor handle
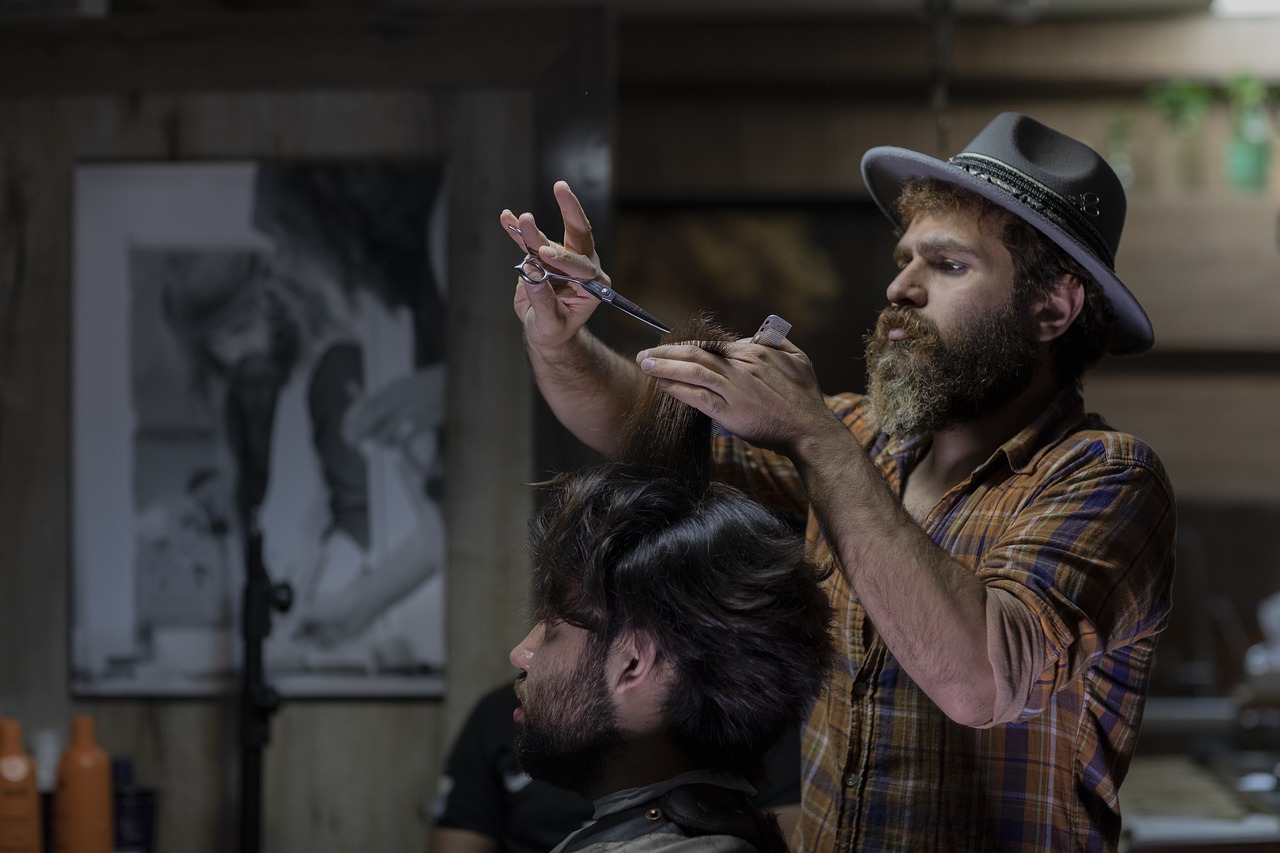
(533, 271)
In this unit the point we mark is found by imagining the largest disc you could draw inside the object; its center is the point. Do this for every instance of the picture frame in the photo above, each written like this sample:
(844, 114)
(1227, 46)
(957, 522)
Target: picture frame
(311, 295)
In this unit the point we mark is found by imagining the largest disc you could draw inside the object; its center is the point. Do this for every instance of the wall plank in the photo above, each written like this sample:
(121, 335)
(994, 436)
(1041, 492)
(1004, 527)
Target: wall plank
(1216, 434)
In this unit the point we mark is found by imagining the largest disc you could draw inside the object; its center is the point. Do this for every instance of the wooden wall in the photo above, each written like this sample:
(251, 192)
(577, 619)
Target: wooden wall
(339, 775)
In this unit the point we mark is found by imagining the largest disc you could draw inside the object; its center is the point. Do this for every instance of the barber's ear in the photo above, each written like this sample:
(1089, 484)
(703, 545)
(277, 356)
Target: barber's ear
(1058, 309)
(633, 662)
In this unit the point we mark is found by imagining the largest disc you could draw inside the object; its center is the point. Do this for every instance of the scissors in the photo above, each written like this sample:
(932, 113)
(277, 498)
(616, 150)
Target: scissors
(532, 271)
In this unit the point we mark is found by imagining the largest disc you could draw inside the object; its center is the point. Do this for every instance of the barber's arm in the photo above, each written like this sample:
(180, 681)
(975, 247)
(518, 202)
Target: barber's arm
(589, 387)
(920, 599)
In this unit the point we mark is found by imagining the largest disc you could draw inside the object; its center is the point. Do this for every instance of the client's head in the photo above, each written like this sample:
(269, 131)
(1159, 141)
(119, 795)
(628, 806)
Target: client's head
(669, 612)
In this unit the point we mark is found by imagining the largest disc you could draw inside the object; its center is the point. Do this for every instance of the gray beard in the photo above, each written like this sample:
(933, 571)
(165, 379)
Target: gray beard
(926, 384)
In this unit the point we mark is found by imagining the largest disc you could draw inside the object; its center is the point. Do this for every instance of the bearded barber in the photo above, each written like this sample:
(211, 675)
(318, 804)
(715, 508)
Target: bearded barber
(1005, 558)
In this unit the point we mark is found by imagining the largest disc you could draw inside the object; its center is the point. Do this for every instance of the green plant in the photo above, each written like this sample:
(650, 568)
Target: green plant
(1182, 103)
(1249, 149)
(1245, 93)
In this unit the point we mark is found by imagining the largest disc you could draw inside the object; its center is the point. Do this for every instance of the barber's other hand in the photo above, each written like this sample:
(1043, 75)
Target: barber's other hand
(766, 395)
(552, 312)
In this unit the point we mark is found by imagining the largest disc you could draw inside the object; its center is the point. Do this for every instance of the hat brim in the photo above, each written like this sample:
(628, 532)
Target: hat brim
(885, 169)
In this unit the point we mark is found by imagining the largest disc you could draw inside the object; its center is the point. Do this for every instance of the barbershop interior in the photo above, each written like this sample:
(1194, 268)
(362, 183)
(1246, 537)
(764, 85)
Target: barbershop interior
(184, 600)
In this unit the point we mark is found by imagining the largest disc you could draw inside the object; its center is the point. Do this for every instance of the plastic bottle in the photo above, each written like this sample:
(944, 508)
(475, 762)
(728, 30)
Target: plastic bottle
(82, 802)
(46, 748)
(19, 794)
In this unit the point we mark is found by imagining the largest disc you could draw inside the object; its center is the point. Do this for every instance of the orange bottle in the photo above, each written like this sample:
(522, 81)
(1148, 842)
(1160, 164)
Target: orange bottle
(82, 801)
(19, 794)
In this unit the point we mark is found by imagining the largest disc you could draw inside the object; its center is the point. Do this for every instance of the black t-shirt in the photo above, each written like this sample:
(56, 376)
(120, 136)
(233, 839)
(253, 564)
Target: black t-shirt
(484, 789)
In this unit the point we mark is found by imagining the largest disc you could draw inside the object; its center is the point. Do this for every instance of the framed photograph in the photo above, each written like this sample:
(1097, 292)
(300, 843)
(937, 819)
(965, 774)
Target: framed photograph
(259, 345)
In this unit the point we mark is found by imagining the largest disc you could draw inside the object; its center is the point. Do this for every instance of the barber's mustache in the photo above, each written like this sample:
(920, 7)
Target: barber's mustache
(905, 318)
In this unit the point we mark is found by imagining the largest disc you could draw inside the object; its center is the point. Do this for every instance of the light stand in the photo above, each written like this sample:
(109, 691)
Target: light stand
(250, 413)
(258, 700)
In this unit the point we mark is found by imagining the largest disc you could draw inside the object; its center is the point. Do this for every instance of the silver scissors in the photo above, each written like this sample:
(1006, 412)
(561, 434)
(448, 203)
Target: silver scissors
(532, 271)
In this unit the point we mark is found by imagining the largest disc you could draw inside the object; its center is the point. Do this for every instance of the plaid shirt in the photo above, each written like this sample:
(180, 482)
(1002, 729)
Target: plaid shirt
(1076, 521)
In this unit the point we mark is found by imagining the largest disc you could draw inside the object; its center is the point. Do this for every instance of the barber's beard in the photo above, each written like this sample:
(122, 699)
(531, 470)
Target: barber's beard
(923, 383)
(569, 728)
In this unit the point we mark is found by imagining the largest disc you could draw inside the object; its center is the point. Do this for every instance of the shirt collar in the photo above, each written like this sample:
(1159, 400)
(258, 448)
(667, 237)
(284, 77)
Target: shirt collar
(628, 797)
(1022, 451)
(1062, 416)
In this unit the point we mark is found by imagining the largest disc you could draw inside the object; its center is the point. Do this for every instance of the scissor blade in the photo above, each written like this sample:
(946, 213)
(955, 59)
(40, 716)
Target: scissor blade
(607, 294)
(626, 305)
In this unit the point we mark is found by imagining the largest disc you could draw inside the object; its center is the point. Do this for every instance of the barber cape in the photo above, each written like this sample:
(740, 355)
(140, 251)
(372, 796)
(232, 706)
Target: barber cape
(707, 811)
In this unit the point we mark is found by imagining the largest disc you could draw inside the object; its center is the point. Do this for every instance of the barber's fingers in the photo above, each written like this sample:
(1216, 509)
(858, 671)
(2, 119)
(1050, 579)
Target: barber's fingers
(550, 296)
(685, 363)
(523, 230)
(577, 227)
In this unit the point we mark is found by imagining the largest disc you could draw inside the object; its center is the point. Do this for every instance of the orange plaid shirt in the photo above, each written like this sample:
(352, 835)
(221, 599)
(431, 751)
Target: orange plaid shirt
(1077, 522)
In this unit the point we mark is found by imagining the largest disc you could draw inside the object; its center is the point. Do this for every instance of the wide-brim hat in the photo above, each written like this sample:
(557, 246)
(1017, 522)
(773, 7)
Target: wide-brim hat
(1062, 187)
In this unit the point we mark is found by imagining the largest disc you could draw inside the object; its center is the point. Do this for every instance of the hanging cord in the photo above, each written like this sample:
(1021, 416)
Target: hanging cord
(941, 13)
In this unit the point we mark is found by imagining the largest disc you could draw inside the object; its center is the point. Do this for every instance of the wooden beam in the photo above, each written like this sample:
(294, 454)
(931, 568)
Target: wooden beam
(820, 54)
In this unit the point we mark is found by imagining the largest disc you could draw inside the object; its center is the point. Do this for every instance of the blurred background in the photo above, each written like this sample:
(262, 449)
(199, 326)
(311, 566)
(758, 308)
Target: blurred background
(716, 146)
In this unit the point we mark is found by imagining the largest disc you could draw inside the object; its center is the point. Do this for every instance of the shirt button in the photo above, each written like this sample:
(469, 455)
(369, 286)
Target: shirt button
(860, 688)
(850, 780)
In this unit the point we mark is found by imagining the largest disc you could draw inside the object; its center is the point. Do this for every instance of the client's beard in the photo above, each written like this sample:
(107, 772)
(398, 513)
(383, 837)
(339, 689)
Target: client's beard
(568, 740)
(924, 384)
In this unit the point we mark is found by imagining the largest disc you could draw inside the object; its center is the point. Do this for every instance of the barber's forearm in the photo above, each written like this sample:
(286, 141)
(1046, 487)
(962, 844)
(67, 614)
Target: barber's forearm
(929, 609)
(589, 387)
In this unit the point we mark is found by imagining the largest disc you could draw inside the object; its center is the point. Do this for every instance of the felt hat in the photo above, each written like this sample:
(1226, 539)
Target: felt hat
(1060, 186)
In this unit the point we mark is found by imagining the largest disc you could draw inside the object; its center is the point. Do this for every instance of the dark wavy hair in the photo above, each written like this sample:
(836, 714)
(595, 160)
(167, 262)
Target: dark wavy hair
(720, 583)
(1038, 263)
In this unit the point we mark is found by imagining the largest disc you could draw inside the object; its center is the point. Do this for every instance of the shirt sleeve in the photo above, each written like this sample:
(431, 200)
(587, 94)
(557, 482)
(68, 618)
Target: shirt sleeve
(769, 477)
(1084, 569)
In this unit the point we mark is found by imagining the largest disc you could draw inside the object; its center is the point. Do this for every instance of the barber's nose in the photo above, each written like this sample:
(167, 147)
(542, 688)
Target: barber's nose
(905, 289)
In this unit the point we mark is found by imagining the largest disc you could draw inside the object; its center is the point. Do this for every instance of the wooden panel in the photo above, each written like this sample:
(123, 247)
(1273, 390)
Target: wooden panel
(774, 146)
(1207, 269)
(291, 50)
(835, 53)
(1217, 435)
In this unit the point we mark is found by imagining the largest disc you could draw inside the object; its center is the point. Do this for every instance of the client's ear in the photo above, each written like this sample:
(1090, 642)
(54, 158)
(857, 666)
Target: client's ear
(639, 681)
(633, 662)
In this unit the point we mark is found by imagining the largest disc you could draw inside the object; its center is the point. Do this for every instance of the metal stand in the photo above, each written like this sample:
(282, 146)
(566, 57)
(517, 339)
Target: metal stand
(258, 700)
(250, 413)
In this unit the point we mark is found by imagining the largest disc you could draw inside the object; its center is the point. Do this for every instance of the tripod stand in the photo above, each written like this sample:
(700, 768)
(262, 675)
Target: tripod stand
(250, 413)
(258, 700)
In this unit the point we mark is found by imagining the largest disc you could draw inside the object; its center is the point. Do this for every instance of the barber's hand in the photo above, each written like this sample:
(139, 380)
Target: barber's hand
(766, 395)
(552, 312)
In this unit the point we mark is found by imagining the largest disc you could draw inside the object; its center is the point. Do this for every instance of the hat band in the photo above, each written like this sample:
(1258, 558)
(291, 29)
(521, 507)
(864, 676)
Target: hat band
(1072, 213)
